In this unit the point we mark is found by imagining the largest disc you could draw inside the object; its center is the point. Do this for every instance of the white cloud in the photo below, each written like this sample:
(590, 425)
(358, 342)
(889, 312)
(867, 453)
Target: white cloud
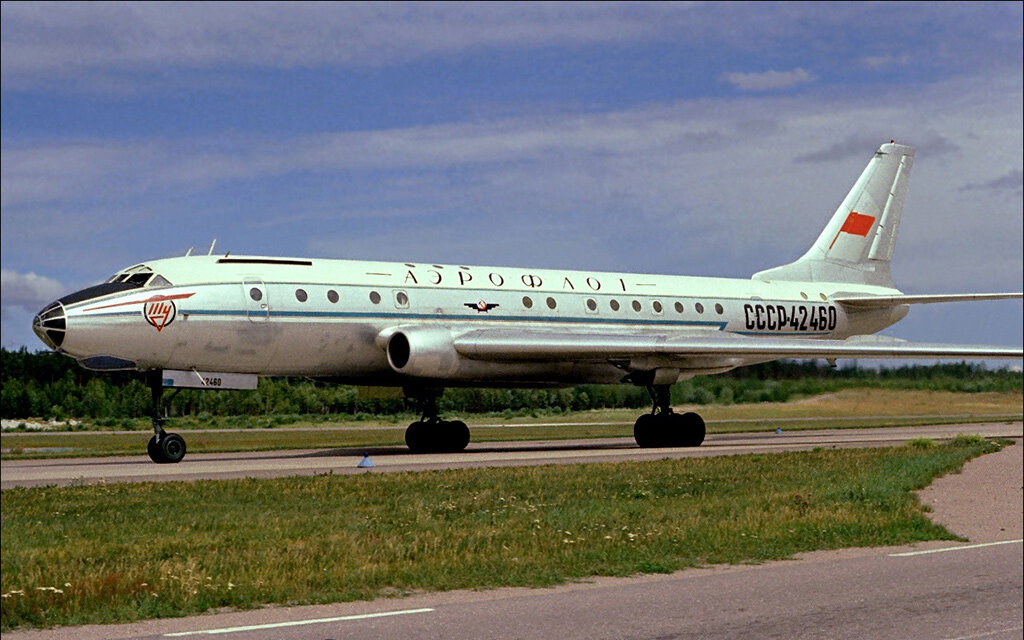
(92, 45)
(883, 61)
(44, 38)
(680, 187)
(27, 290)
(768, 80)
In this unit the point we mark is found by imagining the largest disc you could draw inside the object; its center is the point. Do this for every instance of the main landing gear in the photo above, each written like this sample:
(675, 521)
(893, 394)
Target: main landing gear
(662, 427)
(163, 447)
(430, 434)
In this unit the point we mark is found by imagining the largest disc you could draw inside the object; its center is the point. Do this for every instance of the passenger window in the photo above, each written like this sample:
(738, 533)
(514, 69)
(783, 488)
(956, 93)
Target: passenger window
(332, 295)
(401, 299)
(636, 306)
(679, 307)
(591, 304)
(551, 303)
(374, 297)
(614, 304)
(300, 295)
(255, 294)
(719, 309)
(699, 307)
(657, 306)
(528, 302)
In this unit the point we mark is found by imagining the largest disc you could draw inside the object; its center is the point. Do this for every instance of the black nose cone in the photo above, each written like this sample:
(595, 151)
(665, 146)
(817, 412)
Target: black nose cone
(50, 325)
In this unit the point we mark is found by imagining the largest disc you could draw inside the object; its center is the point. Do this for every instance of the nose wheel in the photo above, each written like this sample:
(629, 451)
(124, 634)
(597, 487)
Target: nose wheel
(170, 447)
(163, 447)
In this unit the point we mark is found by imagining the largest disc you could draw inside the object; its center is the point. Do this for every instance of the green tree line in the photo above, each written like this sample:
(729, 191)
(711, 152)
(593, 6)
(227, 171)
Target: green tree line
(47, 384)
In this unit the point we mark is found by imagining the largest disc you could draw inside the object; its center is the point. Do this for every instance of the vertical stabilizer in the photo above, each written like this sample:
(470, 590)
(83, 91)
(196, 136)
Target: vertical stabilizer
(856, 245)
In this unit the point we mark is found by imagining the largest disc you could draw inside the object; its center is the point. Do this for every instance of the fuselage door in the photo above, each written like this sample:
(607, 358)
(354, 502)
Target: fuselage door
(257, 301)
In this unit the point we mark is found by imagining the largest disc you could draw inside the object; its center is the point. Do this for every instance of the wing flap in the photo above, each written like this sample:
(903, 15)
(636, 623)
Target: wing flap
(537, 346)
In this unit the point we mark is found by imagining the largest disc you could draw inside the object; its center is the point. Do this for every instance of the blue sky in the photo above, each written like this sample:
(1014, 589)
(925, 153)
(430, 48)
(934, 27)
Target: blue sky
(690, 138)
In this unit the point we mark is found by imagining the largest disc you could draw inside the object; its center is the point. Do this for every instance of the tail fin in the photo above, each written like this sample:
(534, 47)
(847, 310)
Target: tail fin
(856, 245)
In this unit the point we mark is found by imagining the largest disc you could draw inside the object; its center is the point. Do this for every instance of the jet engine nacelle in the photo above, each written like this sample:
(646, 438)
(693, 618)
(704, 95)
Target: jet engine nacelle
(429, 352)
(425, 352)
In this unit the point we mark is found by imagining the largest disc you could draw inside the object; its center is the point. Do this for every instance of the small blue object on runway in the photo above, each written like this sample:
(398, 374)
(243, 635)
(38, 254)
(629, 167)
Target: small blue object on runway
(366, 463)
(778, 429)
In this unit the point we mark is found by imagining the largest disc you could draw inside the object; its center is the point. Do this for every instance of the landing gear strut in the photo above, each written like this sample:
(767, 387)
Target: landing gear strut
(662, 427)
(163, 447)
(431, 434)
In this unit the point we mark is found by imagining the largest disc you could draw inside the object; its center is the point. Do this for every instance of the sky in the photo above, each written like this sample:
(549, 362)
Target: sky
(681, 138)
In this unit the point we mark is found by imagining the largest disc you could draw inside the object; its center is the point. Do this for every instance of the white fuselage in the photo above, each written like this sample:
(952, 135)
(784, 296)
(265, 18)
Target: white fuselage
(331, 318)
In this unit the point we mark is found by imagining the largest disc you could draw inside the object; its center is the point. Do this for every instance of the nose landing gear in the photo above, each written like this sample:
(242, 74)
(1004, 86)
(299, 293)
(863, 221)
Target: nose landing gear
(166, 447)
(163, 447)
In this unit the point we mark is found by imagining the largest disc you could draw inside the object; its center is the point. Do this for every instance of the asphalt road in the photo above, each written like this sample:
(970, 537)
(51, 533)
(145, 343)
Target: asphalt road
(65, 471)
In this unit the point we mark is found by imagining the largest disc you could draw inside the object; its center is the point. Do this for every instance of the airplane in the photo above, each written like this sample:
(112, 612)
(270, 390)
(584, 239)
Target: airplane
(221, 321)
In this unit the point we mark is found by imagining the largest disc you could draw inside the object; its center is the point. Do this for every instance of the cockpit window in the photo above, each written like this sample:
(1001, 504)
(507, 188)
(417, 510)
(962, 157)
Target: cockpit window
(139, 275)
(139, 279)
(131, 278)
(159, 281)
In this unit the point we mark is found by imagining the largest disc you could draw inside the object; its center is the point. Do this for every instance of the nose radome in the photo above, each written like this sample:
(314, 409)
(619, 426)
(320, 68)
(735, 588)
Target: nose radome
(50, 325)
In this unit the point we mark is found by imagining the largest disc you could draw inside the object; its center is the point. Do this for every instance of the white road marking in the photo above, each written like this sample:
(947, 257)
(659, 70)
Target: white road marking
(987, 634)
(295, 623)
(944, 549)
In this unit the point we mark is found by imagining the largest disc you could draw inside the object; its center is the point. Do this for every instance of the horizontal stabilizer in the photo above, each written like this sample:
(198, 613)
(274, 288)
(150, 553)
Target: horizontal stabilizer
(884, 302)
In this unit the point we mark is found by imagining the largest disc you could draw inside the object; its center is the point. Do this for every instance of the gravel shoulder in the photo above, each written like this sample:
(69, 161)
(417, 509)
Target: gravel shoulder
(985, 501)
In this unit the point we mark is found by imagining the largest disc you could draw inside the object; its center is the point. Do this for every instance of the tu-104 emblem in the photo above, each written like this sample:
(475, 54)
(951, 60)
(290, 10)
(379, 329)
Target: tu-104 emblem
(481, 306)
(159, 313)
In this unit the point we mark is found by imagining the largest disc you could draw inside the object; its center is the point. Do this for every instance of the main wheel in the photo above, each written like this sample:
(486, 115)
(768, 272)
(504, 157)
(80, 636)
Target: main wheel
(172, 447)
(693, 429)
(416, 437)
(456, 436)
(154, 451)
(646, 430)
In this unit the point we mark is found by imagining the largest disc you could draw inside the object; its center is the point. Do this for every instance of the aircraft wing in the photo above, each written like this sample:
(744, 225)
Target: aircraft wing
(864, 302)
(541, 346)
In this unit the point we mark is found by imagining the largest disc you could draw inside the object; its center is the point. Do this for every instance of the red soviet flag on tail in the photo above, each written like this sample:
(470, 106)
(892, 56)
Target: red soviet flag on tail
(857, 224)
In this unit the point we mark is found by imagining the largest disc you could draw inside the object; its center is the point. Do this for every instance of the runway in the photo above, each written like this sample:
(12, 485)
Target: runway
(931, 591)
(66, 471)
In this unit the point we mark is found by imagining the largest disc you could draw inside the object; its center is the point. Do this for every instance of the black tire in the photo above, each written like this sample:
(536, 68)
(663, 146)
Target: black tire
(156, 454)
(645, 431)
(415, 437)
(172, 448)
(456, 436)
(693, 429)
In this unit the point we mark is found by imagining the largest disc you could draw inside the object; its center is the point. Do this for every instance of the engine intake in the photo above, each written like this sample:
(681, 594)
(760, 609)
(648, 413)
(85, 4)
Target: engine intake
(426, 352)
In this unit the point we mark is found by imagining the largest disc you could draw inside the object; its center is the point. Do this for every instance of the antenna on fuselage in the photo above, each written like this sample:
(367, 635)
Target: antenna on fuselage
(212, 245)
(189, 252)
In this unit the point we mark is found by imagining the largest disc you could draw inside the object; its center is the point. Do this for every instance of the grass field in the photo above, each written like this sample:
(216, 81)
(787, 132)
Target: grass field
(854, 408)
(123, 552)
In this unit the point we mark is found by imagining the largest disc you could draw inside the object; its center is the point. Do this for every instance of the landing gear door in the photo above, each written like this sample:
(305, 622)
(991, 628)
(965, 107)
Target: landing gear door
(257, 302)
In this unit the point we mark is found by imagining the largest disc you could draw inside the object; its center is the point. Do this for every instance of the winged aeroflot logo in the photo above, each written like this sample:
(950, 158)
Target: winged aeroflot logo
(481, 306)
(159, 313)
